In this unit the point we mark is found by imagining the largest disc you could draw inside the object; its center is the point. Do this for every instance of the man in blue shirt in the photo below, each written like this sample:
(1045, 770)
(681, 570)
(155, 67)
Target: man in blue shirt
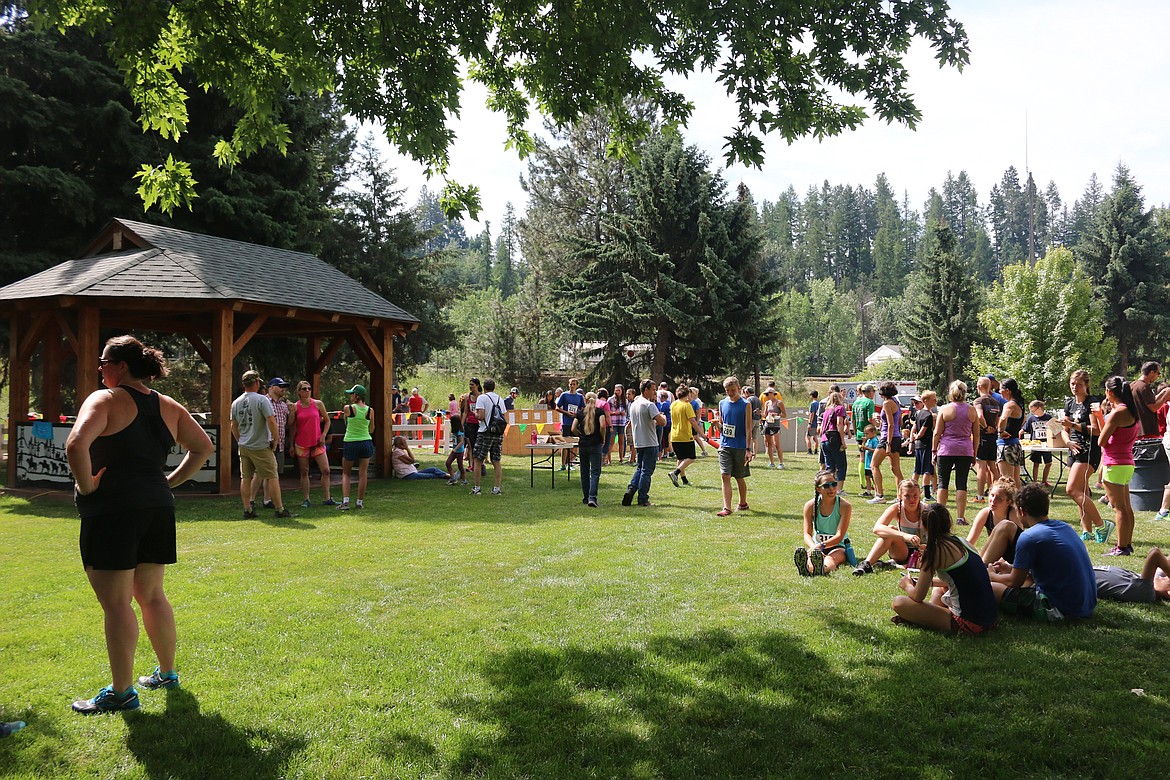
(736, 444)
(569, 403)
(1055, 557)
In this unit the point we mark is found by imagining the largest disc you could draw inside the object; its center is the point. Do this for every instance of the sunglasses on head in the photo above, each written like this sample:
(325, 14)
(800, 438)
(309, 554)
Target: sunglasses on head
(827, 484)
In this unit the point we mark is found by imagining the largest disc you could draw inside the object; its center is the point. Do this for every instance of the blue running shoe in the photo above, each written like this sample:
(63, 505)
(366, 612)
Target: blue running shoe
(107, 701)
(157, 680)
(11, 727)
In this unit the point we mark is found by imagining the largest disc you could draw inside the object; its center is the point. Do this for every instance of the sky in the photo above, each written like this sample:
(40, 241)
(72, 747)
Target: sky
(1066, 89)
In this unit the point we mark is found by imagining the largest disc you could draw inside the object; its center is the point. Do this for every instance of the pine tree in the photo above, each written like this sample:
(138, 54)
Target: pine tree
(507, 249)
(1125, 256)
(890, 256)
(942, 319)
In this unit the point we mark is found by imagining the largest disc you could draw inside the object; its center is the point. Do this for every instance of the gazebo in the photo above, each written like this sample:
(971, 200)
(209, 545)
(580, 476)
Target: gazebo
(217, 293)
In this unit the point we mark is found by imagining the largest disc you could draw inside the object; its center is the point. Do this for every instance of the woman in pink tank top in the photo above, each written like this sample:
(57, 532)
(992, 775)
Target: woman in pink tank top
(955, 436)
(310, 424)
(1120, 431)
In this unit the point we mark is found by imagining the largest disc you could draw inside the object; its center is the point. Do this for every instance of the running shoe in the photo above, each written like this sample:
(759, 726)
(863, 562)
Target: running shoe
(329, 502)
(11, 727)
(344, 506)
(157, 680)
(475, 491)
(1103, 532)
(269, 505)
(800, 558)
(360, 505)
(673, 477)
(108, 701)
(878, 499)
(863, 568)
(496, 491)
(1118, 551)
(1162, 515)
(453, 481)
(249, 514)
(817, 558)
(1088, 536)
(283, 514)
(306, 504)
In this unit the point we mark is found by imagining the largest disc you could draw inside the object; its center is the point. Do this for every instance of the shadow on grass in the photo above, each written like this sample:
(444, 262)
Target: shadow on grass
(184, 743)
(889, 702)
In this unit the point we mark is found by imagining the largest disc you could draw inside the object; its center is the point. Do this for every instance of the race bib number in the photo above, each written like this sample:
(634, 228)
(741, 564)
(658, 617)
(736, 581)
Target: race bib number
(729, 430)
(571, 409)
(822, 538)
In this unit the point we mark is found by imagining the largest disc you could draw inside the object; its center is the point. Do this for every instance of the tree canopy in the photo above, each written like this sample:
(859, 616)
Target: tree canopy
(795, 69)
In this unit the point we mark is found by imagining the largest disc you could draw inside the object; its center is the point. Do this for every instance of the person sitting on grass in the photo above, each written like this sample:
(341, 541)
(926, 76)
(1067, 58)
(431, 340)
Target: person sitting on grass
(826, 529)
(406, 467)
(963, 601)
(1054, 556)
(1119, 584)
(1001, 521)
(899, 530)
(458, 447)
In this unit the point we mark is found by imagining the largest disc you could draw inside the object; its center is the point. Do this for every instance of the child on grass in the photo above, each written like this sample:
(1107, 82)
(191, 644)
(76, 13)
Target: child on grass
(962, 600)
(869, 445)
(826, 530)
(899, 530)
(458, 447)
(1038, 418)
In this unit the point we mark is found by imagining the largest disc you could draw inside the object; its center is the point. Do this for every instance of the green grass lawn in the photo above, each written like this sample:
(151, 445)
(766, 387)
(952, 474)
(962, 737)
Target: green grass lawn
(436, 634)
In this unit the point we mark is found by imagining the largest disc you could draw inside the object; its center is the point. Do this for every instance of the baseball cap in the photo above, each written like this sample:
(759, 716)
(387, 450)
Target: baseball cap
(249, 377)
(277, 382)
(358, 390)
(917, 399)
(514, 390)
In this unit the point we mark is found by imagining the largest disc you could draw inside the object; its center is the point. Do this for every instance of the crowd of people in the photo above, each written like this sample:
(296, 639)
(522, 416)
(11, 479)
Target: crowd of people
(1028, 564)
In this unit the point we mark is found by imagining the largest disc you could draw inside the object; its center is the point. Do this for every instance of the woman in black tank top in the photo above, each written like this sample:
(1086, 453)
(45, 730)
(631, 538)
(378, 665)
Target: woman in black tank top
(117, 451)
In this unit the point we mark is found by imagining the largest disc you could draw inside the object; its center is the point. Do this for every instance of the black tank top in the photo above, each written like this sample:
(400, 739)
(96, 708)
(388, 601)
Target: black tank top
(1012, 427)
(134, 459)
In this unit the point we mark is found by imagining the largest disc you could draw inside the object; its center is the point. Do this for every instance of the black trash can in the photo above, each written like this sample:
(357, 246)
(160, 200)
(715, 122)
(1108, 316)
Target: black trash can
(1151, 472)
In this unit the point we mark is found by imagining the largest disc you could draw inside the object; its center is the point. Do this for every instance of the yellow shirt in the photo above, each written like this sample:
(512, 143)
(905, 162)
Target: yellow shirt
(681, 414)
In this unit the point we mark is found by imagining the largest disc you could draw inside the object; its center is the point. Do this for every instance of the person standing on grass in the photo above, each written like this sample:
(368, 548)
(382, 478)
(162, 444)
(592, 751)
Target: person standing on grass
(987, 409)
(890, 440)
(117, 451)
(834, 427)
(418, 406)
(489, 406)
(811, 437)
(618, 406)
(1146, 402)
(628, 433)
(591, 427)
(1082, 430)
(1117, 465)
(774, 414)
(603, 407)
(358, 444)
(1009, 456)
(954, 577)
(254, 428)
(923, 436)
(665, 399)
(281, 410)
(956, 435)
(737, 444)
(458, 447)
(684, 429)
(697, 407)
(1038, 419)
(826, 529)
(1051, 553)
(645, 420)
(569, 403)
(310, 427)
(864, 413)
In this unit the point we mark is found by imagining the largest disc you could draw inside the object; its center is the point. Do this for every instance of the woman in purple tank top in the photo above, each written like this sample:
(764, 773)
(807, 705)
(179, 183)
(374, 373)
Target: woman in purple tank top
(955, 437)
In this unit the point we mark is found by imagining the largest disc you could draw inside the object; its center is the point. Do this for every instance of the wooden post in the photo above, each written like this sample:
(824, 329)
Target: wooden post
(312, 371)
(18, 385)
(222, 344)
(52, 356)
(380, 396)
(89, 349)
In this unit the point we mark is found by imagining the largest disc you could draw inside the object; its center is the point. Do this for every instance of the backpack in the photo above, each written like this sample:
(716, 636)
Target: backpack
(496, 421)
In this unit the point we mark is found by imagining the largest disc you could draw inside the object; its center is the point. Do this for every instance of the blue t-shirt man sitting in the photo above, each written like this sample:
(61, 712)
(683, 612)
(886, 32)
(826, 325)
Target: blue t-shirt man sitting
(1053, 553)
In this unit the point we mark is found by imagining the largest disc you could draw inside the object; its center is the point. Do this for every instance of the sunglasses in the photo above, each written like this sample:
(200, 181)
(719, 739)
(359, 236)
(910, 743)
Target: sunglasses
(827, 484)
(103, 361)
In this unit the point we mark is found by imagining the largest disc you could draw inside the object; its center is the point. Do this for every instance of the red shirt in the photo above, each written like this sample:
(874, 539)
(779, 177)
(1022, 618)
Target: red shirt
(416, 403)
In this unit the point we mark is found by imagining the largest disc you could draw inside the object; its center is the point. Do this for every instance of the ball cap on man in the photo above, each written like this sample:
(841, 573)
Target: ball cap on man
(277, 382)
(249, 377)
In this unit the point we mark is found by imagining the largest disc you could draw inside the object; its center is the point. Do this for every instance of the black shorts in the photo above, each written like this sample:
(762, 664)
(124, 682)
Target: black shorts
(1090, 454)
(923, 462)
(988, 447)
(685, 450)
(353, 451)
(1040, 457)
(891, 447)
(122, 540)
(960, 464)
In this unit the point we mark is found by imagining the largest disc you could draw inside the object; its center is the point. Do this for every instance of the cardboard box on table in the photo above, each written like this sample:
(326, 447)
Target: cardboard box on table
(547, 421)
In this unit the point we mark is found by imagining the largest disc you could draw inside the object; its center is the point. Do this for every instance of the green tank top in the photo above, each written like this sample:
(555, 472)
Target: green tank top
(826, 525)
(357, 427)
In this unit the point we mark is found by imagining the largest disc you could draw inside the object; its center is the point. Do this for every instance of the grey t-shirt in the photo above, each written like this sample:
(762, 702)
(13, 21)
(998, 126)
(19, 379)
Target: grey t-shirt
(251, 412)
(642, 414)
(1114, 582)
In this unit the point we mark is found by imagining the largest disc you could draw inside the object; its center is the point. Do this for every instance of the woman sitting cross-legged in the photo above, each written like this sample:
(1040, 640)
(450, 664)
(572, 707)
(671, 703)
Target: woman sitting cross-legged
(1001, 521)
(899, 530)
(826, 529)
(406, 467)
(962, 599)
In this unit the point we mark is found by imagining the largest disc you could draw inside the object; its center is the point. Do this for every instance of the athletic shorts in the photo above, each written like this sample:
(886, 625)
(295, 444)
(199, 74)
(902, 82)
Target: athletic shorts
(892, 447)
(685, 450)
(353, 451)
(1092, 457)
(308, 452)
(122, 540)
(923, 462)
(1040, 457)
(988, 448)
(1117, 475)
(1030, 603)
(960, 625)
(960, 464)
(259, 463)
(734, 462)
(1011, 454)
(486, 444)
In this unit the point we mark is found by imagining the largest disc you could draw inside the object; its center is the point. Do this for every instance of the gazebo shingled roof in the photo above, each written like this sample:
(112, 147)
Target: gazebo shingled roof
(138, 276)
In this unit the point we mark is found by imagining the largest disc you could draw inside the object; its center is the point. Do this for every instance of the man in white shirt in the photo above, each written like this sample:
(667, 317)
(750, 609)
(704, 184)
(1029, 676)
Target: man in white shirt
(488, 405)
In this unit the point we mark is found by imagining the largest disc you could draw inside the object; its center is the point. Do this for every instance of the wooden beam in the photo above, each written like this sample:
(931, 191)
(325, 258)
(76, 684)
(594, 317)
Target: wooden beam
(312, 369)
(66, 331)
(326, 357)
(381, 391)
(359, 348)
(88, 352)
(375, 352)
(222, 325)
(197, 344)
(18, 384)
(248, 333)
(32, 336)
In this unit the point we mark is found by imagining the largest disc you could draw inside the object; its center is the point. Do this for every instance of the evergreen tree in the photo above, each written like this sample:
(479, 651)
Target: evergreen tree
(890, 256)
(778, 221)
(486, 258)
(443, 232)
(1125, 257)
(941, 321)
(1084, 213)
(1009, 219)
(507, 246)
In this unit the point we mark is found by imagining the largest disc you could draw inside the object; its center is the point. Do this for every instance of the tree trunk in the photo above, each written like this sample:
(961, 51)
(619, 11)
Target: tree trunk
(661, 345)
